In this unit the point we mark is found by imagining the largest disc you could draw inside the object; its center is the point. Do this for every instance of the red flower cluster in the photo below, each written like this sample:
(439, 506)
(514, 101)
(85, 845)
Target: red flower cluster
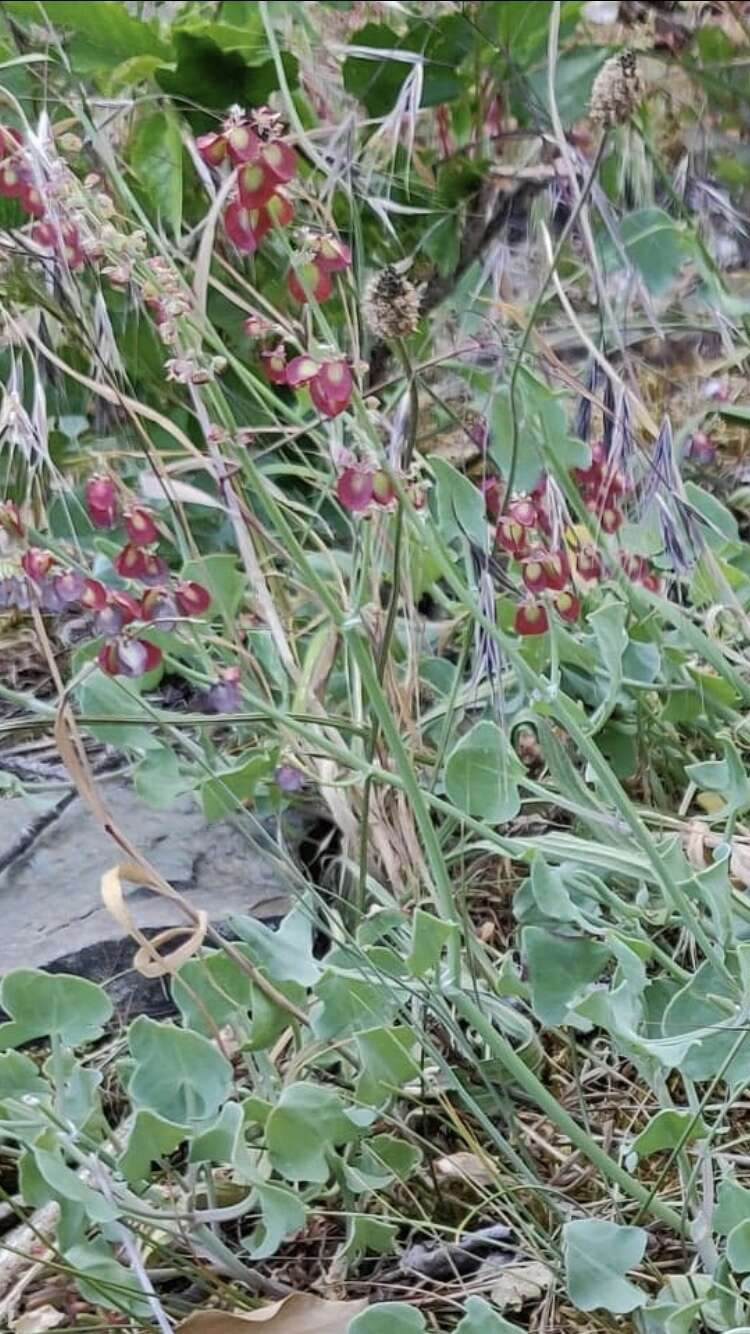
(311, 278)
(602, 488)
(138, 562)
(329, 382)
(358, 487)
(264, 164)
(18, 181)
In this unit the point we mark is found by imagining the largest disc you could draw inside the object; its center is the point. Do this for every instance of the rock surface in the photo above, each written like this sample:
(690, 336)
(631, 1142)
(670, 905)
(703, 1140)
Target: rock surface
(51, 912)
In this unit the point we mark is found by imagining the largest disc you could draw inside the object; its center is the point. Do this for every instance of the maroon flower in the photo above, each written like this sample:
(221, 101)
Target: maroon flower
(140, 526)
(330, 383)
(192, 598)
(492, 491)
(533, 573)
(588, 563)
(130, 563)
(212, 148)
(159, 605)
(531, 618)
(383, 490)
(101, 502)
(243, 227)
(567, 606)
(354, 488)
(273, 361)
(36, 563)
(332, 254)
(93, 595)
(69, 585)
(511, 536)
(128, 657)
(256, 183)
(309, 282)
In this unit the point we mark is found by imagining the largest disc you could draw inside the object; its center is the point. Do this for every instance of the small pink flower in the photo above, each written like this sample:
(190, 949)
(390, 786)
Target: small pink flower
(533, 573)
(332, 254)
(69, 585)
(100, 495)
(158, 605)
(36, 563)
(331, 390)
(93, 595)
(492, 490)
(523, 511)
(354, 488)
(242, 227)
(511, 536)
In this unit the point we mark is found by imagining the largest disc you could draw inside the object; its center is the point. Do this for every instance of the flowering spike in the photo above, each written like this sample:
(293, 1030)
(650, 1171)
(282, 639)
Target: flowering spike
(531, 619)
(355, 488)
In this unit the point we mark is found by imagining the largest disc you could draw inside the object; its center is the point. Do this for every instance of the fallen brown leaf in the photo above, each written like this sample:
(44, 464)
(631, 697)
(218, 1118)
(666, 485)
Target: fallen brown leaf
(37, 1322)
(518, 1284)
(300, 1313)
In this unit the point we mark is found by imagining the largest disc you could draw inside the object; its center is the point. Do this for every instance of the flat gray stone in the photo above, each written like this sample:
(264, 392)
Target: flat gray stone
(50, 900)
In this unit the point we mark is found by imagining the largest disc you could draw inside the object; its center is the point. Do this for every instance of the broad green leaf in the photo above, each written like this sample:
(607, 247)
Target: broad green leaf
(368, 1235)
(666, 1130)
(224, 1142)
(719, 524)
(574, 76)
(727, 776)
(76, 1089)
(387, 1063)
(103, 33)
(64, 1184)
(230, 789)
(732, 1207)
(480, 1317)
(20, 1076)
(429, 936)
(204, 75)
(382, 1159)
(36, 1192)
(283, 1214)
(347, 1004)
(608, 630)
(305, 1124)
(103, 697)
(460, 504)
(159, 780)
(560, 970)
(103, 1281)
(738, 1247)
(388, 1318)
(654, 244)
(286, 955)
(597, 1257)
(156, 159)
(150, 1138)
(178, 1074)
(269, 1020)
(212, 991)
(43, 1004)
(481, 775)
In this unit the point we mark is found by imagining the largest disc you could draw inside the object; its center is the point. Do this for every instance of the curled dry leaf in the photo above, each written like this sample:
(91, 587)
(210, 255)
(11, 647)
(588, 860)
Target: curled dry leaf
(36, 1322)
(464, 1167)
(300, 1313)
(520, 1283)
